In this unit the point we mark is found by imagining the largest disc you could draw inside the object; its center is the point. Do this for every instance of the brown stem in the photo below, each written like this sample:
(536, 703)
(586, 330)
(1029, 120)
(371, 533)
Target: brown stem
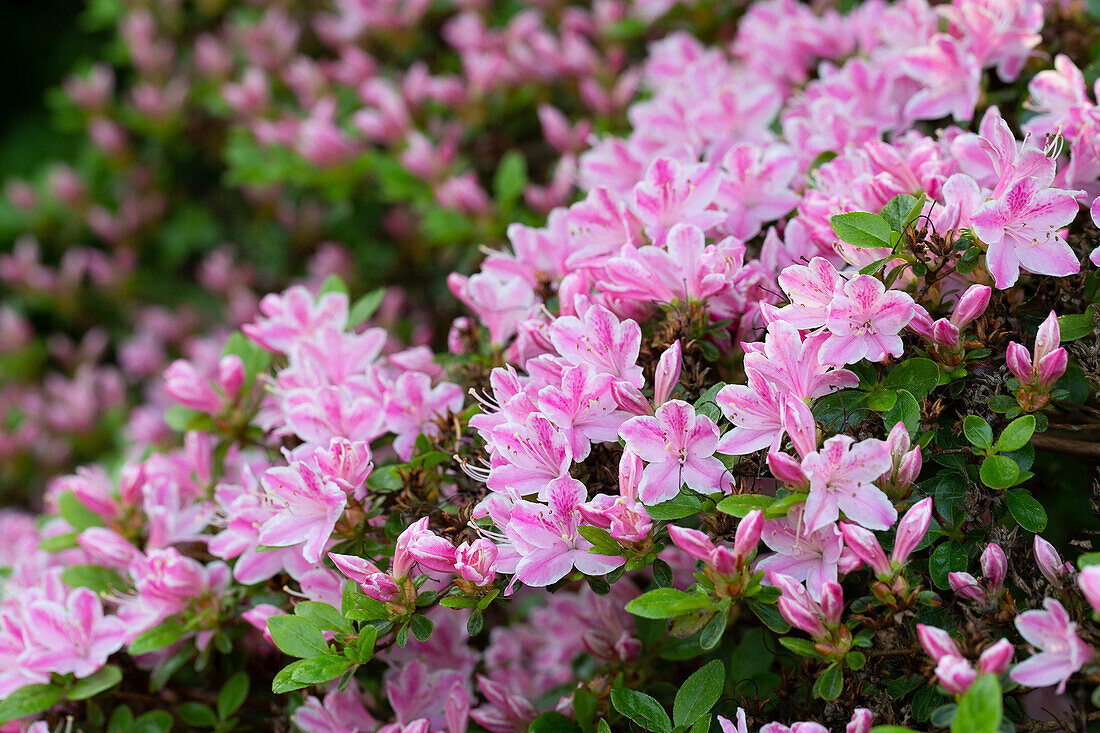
(1068, 446)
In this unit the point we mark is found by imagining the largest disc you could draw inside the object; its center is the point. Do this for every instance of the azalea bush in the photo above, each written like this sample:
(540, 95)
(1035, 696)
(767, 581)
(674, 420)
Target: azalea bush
(783, 420)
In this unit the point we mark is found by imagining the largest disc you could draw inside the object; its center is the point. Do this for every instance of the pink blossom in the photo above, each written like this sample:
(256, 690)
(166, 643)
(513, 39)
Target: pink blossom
(757, 187)
(793, 364)
(583, 408)
(812, 557)
(73, 636)
(413, 406)
(1061, 652)
(475, 561)
(339, 712)
(1089, 582)
(756, 411)
(678, 448)
(841, 480)
(811, 289)
(950, 80)
(864, 320)
(296, 316)
(602, 341)
(526, 457)
(499, 302)
(307, 508)
(672, 193)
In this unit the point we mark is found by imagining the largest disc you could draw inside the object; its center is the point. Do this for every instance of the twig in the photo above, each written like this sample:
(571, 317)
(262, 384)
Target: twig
(1068, 446)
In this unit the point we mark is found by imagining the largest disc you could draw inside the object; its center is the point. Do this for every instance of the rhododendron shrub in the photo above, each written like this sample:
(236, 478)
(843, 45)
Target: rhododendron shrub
(786, 421)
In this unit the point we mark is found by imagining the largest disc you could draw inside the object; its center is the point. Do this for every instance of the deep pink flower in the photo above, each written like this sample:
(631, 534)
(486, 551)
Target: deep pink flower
(674, 193)
(583, 408)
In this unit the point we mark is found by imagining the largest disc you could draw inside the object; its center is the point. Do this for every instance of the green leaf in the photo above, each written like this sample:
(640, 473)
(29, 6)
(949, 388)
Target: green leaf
(28, 700)
(584, 708)
(364, 645)
(902, 210)
(977, 431)
(156, 638)
(284, 681)
(296, 636)
(332, 284)
(801, 647)
(667, 603)
(906, 410)
(358, 606)
(680, 506)
(702, 725)
(862, 229)
(74, 512)
(642, 709)
(999, 472)
(254, 358)
(197, 715)
(919, 376)
(830, 683)
(948, 557)
(154, 721)
(1026, 510)
(104, 679)
(699, 693)
(365, 307)
(882, 400)
(1078, 325)
(98, 578)
(707, 404)
(739, 505)
(602, 544)
(320, 669)
(1017, 434)
(980, 709)
(770, 615)
(233, 694)
(510, 178)
(553, 722)
(323, 615)
(421, 626)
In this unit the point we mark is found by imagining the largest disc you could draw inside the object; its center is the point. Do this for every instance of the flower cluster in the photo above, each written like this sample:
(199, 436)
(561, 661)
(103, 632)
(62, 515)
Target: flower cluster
(714, 445)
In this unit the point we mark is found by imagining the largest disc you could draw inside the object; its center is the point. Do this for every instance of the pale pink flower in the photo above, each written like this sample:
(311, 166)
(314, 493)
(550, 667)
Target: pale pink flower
(583, 408)
(841, 480)
(307, 508)
(793, 364)
(527, 456)
(678, 448)
(675, 193)
(295, 316)
(864, 320)
(1088, 580)
(756, 411)
(73, 636)
(413, 407)
(1061, 651)
(949, 77)
(601, 340)
(500, 303)
(812, 557)
(811, 289)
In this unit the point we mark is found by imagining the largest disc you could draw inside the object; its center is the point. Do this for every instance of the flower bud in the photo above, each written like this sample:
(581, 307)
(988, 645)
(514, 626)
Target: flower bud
(748, 534)
(994, 566)
(945, 333)
(921, 324)
(630, 474)
(1019, 362)
(187, 387)
(787, 469)
(971, 305)
(474, 561)
(937, 642)
(381, 587)
(796, 606)
(1089, 582)
(692, 541)
(966, 586)
(107, 547)
(832, 603)
(1050, 562)
(1048, 337)
(955, 674)
(997, 658)
(866, 547)
(432, 552)
(355, 568)
(231, 375)
(630, 399)
(861, 721)
(911, 530)
(667, 375)
(1049, 368)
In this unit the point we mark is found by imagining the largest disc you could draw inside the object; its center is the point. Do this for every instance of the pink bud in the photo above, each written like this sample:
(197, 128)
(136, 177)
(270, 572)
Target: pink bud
(787, 469)
(861, 721)
(1089, 582)
(909, 468)
(945, 333)
(1019, 362)
(994, 566)
(257, 618)
(630, 474)
(937, 642)
(832, 603)
(1049, 368)
(971, 305)
(355, 568)
(691, 541)
(187, 387)
(1049, 561)
(345, 462)
(131, 482)
(403, 560)
(911, 530)
(433, 552)
(796, 606)
(966, 586)
(748, 534)
(630, 399)
(474, 562)
(866, 547)
(997, 658)
(955, 674)
(898, 440)
(231, 375)
(799, 423)
(1048, 337)
(921, 324)
(107, 547)
(667, 374)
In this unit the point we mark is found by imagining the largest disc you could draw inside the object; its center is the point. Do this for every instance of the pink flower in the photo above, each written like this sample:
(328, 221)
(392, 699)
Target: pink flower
(812, 557)
(864, 320)
(818, 619)
(810, 288)
(1089, 582)
(340, 712)
(307, 508)
(1061, 651)
(1021, 228)
(905, 463)
(678, 447)
(500, 303)
(602, 341)
(757, 187)
(296, 316)
(949, 77)
(526, 457)
(475, 561)
(72, 637)
(547, 539)
(583, 408)
(841, 480)
(413, 405)
(793, 364)
(756, 411)
(674, 193)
